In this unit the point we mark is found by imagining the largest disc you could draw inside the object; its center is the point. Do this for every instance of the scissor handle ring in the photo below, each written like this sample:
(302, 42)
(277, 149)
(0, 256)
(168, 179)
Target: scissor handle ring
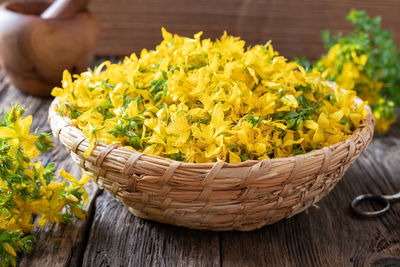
(356, 201)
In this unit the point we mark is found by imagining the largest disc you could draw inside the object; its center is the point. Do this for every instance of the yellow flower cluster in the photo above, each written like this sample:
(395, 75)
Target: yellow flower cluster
(201, 101)
(383, 111)
(345, 64)
(351, 72)
(28, 189)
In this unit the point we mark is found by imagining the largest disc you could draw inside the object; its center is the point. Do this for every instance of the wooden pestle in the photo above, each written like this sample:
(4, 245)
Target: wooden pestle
(38, 41)
(62, 9)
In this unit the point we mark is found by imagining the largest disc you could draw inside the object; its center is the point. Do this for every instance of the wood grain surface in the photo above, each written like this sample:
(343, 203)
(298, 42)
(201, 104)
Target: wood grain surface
(330, 235)
(294, 26)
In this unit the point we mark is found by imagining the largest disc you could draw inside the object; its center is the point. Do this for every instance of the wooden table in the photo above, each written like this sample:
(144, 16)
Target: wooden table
(330, 235)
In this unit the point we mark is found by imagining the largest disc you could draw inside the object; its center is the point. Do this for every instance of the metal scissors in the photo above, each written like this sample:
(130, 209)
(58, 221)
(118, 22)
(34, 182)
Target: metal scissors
(384, 200)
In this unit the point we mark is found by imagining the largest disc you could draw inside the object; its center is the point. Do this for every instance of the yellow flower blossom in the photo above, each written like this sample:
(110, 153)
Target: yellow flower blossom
(28, 188)
(18, 133)
(196, 100)
(345, 64)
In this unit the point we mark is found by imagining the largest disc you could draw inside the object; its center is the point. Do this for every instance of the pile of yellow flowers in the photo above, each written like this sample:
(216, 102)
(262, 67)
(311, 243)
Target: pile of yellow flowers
(351, 72)
(346, 65)
(197, 100)
(28, 189)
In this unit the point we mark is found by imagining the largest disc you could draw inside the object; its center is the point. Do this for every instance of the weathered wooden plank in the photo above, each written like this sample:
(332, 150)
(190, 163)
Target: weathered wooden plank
(4, 84)
(117, 238)
(61, 244)
(57, 245)
(332, 235)
(385, 153)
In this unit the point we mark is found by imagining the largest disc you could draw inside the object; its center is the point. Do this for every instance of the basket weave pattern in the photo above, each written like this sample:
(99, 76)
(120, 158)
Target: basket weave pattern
(214, 196)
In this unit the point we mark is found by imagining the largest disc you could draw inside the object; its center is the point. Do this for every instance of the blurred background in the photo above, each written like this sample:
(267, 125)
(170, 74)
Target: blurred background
(294, 26)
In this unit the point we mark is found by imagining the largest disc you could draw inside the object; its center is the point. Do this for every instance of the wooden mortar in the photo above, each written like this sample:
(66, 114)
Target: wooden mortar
(35, 51)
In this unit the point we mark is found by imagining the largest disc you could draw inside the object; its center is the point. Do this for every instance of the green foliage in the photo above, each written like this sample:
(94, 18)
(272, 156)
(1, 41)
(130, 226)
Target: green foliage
(13, 242)
(304, 62)
(28, 188)
(383, 57)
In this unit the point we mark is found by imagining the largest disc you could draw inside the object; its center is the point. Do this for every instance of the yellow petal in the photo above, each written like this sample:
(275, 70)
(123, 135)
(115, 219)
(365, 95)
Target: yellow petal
(284, 108)
(156, 139)
(336, 116)
(92, 144)
(292, 142)
(84, 179)
(212, 151)
(10, 250)
(133, 110)
(310, 124)
(323, 120)
(318, 136)
(78, 213)
(355, 118)
(68, 176)
(279, 125)
(233, 157)
(6, 132)
(289, 100)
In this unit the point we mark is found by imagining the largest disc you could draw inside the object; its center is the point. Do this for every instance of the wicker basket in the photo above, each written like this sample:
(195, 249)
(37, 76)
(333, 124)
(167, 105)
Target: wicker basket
(214, 196)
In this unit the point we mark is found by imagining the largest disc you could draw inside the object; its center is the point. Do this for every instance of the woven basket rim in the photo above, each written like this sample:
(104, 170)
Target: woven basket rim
(213, 195)
(368, 121)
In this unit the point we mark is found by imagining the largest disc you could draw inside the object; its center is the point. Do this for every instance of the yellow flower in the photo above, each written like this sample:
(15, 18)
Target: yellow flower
(7, 247)
(75, 182)
(196, 100)
(290, 101)
(179, 128)
(323, 121)
(53, 212)
(18, 133)
(35, 192)
(347, 65)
